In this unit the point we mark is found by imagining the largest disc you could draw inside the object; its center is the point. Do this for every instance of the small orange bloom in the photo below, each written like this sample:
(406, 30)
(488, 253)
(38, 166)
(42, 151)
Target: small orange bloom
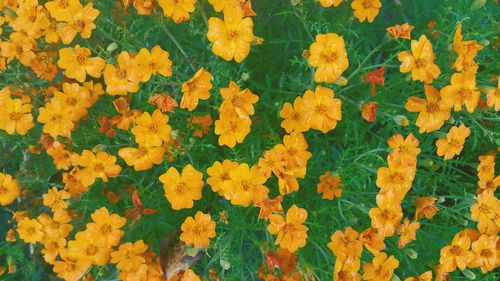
(77, 63)
(9, 189)
(152, 129)
(426, 276)
(245, 185)
(269, 206)
(456, 254)
(201, 124)
(329, 3)
(323, 111)
(240, 102)
(150, 63)
(15, 117)
(366, 9)
(346, 245)
(486, 212)
(197, 231)
(433, 112)
(493, 97)
(178, 10)
(453, 144)
(219, 174)
(292, 233)
(420, 61)
(386, 218)
(163, 102)
(407, 232)
(462, 91)
(373, 241)
(124, 77)
(142, 158)
(57, 119)
(330, 186)
(195, 89)
(63, 10)
(466, 51)
(329, 55)
(294, 116)
(54, 199)
(30, 230)
(130, 256)
(485, 252)
(87, 246)
(404, 151)
(106, 227)
(425, 207)
(369, 111)
(69, 267)
(232, 129)
(100, 165)
(400, 31)
(81, 21)
(182, 189)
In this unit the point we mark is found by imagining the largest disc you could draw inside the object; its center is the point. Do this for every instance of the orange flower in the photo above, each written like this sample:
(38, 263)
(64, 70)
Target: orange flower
(273, 161)
(129, 256)
(381, 268)
(15, 117)
(80, 22)
(292, 234)
(486, 212)
(182, 189)
(61, 157)
(432, 110)
(77, 63)
(231, 38)
(163, 102)
(269, 206)
(87, 246)
(425, 207)
(57, 119)
(75, 98)
(396, 179)
(150, 63)
(19, 46)
(404, 151)
(201, 124)
(400, 31)
(178, 10)
(407, 232)
(329, 3)
(329, 55)
(30, 230)
(466, 51)
(219, 174)
(295, 147)
(453, 144)
(485, 253)
(57, 226)
(144, 7)
(70, 268)
(106, 227)
(197, 231)
(152, 130)
(373, 241)
(9, 189)
(369, 111)
(43, 67)
(124, 77)
(63, 10)
(330, 186)
(486, 167)
(52, 247)
(100, 165)
(232, 129)
(54, 199)
(366, 9)
(426, 276)
(142, 158)
(420, 61)
(245, 185)
(346, 245)
(386, 218)
(456, 254)
(294, 116)
(195, 89)
(493, 97)
(240, 102)
(462, 91)
(73, 183)
(323, 111)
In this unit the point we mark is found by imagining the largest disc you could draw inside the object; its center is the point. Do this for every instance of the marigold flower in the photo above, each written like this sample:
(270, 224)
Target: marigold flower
(486, 167)
(61, 157)
(369, 111)
(404, 151)
(52, 247)
(152, 129)
(106, 226)
(323, 111)
(493, 97)
(150, 63)
(346, 245)
(124, 77)
(273, 161)
(386, 218)
(407, 232)
(485, 253)
(396, 179)
(269, 206)
(486, 212)
(453, 144)
(178, 10)
(197, 231)
(57, 119)
(30, 230)
(420, 61)
(63, 10)
(346, 270)
(195, 89)
(163, 102)
(425, 207)
(70, 268)
(329, 3)
(129, 256)
(57, 226)
(462, 91)
(330, 186)
(9, 189)
(372, 240)
(456, 254)
(237, 101)
(426, 276)
(201, 124)
(219, 174)
(400, 31)
(366, 9)
(466, 51)
(87, 246)
(295, 147)
(329, 55)
(144, 7)
(73, 182)
(54, 199)
(381, 268)
(294, 116)
(232, 129)
(432, 111)
(232, 36)
(77, 63)
(292, 234)
(81, 22)
(19, 46)
(182, 189)
(100, 165)
(142, 158)
(15, 117)
(245, 185)
(75, 98)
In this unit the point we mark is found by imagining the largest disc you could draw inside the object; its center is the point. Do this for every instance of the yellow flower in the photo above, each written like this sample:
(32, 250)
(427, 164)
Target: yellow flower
(232, 129)
(329, 3)
(329, 55)
(330, 186)
(462, 91)
(182, 189)
(197, 88)
(323, 111)
(291, 231)
(57, 119)
(156, 61)
(197, 231)
(366, 9)
(87, 246)
(407, 232)
(178, 10)
(420, 61)
(486, 254)
(231, 38)
(100, 165)
(219, 174)
(15, 117)
(106, 227)
(142, 158)
(152, 130)
(453, 144)
(456, 254)
(130, 256)
(30, 230)
(245, 185)
(466, 51)
(9, 189)
(294, 116)
(75, 98)
(124, 77)
(77, 63)
(381, 268)
(432, 112)
(493, 97)
(54, 199)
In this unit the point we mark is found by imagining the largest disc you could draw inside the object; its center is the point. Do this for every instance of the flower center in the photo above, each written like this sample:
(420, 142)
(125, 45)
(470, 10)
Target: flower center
(181, 188)
(3, 190)
(198, 230)
(153, 65)
(295, 116)
(288, 228)
(330, 57)
(321, 109)
(63, 4)
(224, 176)
(486, 253)
(15, 116)
(397, 178)
(105, 228)
(245, 185)
(456, 250)
(152, 128)
(121, 74)
(237, 101)
(367, 4)
(233, 127)
(57, 118)
(98, 167)
(432, 107)
(387, 215)
(420, 63)
(80, 24)
(232, 35)
(91, 250)
(81, 59)
(141, 152)
(455, 144)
